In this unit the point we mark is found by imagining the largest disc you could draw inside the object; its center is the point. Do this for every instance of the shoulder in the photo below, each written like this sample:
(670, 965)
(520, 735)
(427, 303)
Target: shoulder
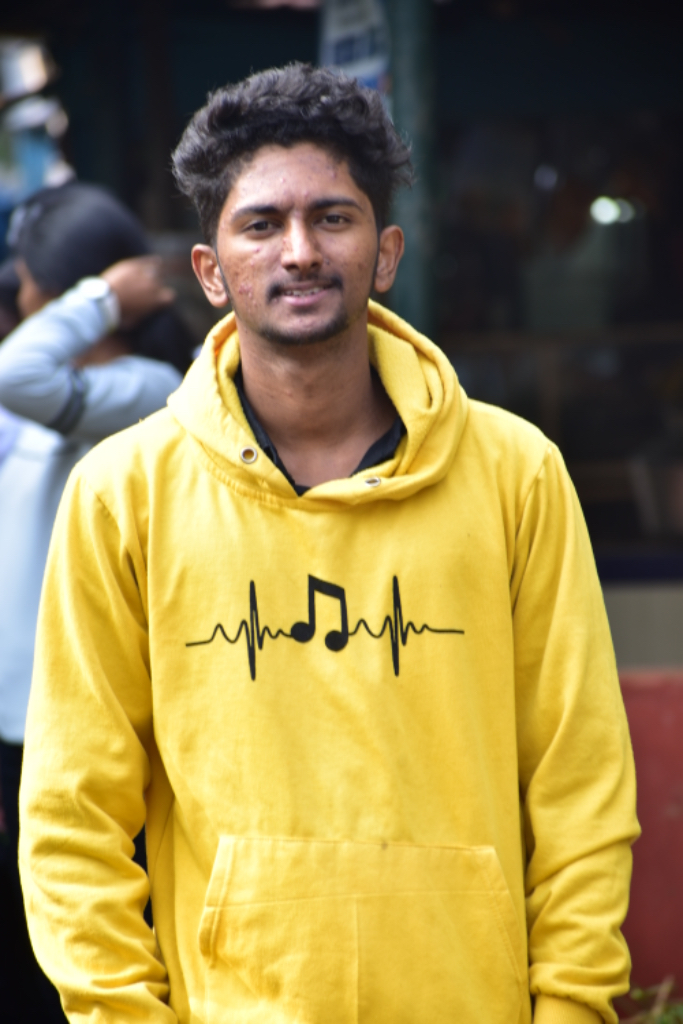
(498, 434)
(505, 428)
(126, 461)
(509, 457)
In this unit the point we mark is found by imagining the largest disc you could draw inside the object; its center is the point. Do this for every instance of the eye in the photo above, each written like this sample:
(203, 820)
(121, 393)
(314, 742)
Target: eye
(260, 226)
(335, 219)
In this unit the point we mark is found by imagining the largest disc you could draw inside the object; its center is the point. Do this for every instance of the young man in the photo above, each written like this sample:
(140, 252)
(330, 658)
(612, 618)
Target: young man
(334, 633)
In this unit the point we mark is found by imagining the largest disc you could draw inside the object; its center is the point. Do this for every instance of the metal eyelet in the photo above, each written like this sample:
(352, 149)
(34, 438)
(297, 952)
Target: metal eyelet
(372, 481)
(249, 455)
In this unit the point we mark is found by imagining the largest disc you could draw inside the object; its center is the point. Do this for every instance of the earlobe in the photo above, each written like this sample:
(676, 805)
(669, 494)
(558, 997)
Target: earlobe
(208, 273)
(391, 246)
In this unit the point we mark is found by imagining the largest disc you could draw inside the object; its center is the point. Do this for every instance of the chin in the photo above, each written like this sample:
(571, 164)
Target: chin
(311, 334)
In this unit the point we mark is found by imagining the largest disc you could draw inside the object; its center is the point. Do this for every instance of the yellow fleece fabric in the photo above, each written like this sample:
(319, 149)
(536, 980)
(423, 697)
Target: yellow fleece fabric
(550, 1010)
(375, 732)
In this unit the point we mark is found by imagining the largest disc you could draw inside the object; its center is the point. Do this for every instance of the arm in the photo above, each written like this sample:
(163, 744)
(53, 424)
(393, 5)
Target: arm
(38, 379)
(576, 766)
(86, 769)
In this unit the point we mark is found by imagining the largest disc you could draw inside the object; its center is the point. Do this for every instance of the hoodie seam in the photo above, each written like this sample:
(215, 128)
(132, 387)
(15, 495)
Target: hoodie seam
(95, 493)
(100, 500)
(302, 503)
(549, 451)
(224, 477)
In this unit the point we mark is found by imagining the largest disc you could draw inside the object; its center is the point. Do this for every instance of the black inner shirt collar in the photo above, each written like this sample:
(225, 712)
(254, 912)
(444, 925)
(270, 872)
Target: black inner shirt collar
(380, 451)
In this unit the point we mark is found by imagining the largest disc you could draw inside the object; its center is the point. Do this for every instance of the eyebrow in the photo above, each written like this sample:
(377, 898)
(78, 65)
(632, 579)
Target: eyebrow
(269, 208)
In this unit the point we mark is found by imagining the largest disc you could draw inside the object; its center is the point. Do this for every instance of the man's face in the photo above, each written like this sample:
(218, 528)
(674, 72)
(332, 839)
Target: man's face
(298, 247)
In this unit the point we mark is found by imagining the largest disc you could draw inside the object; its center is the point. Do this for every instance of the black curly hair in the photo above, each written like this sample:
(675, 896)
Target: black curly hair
(285, 106)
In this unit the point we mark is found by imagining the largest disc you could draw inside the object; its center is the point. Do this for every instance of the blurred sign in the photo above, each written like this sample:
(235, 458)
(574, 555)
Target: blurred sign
(31, 126)
(355, 39)
(25, 68)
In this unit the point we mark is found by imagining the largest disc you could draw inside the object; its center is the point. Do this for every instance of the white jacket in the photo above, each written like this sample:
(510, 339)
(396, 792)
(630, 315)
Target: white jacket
(38, 385)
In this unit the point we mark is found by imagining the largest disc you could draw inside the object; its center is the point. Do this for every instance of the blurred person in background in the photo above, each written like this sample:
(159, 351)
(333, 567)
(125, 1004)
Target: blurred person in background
(100, 347)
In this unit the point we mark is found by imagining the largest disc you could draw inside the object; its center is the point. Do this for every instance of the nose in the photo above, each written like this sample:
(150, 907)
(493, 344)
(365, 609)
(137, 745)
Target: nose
(299, 249)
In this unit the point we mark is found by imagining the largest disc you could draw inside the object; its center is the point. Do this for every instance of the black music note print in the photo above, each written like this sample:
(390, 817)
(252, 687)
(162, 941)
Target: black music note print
(336, 639)
(394, 625)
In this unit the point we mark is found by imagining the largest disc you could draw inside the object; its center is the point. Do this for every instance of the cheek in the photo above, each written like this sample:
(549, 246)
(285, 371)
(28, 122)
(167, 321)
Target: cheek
(359, 254)
(245, 289)
(243, 278)
(361, 265)
(248, 273)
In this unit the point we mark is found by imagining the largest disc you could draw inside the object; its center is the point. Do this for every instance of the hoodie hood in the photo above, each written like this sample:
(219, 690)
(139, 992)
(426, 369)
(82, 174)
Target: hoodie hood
(416, 374)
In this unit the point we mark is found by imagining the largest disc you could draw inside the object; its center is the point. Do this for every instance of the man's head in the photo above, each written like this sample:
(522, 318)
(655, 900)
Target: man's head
(285, 106)
(60, 235)
(292, 173)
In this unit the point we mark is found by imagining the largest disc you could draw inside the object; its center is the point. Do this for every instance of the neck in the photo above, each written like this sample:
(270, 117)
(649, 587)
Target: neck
(319, 403)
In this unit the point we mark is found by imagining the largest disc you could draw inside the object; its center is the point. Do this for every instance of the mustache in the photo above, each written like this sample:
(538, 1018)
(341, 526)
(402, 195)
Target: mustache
(279, 287)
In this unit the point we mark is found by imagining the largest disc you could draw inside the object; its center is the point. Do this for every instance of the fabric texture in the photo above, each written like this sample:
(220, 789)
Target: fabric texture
(360, 724)
(562, 1011)
(9, 432)
(37, 385)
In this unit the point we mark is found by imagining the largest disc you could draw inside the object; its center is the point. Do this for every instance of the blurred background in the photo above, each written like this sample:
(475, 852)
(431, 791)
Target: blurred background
(545, 254)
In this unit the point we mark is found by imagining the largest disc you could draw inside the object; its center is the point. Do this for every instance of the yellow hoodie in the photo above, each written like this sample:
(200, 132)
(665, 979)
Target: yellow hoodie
(375, 732)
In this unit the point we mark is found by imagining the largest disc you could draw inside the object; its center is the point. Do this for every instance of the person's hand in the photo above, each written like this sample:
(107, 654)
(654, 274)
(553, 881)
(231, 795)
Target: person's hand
(139, 288)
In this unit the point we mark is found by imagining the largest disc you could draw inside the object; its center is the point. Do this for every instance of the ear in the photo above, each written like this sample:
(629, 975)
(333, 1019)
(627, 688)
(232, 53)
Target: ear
(391, 246)
(205, 266)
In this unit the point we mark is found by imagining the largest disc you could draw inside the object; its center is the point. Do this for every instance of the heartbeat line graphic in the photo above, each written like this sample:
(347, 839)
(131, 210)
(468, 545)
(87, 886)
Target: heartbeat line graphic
(398, 632)
(335, 639)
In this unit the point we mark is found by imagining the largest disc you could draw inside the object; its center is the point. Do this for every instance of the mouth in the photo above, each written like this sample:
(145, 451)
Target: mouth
(303, 293)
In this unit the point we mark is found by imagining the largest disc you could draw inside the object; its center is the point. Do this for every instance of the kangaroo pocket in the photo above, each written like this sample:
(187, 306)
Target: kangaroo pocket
(360, 933)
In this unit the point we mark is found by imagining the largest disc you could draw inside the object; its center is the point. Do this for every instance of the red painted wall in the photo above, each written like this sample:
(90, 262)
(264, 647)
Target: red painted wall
(654, 926)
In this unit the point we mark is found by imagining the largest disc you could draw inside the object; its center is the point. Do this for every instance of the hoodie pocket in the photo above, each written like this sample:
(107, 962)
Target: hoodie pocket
(317, 932)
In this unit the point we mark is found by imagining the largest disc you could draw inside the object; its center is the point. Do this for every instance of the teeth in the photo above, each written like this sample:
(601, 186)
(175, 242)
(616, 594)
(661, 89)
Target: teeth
(300, 291)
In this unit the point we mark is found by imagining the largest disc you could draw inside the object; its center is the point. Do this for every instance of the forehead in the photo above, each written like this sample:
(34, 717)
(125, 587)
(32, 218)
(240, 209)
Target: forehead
(292, 175)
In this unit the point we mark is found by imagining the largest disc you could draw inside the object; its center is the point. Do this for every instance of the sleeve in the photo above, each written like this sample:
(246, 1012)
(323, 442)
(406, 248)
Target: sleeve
(577, 777)
(86, 769)
(39, 381)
